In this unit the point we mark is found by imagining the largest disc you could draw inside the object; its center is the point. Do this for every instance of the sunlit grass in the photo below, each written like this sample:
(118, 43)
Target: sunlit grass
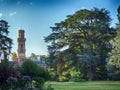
(95, 85)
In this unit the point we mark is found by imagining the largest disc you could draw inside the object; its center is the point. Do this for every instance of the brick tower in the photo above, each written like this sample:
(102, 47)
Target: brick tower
(21, 46)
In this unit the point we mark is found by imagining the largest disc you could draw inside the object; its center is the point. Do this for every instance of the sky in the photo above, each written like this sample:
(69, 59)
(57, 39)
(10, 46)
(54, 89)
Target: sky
(37, 16)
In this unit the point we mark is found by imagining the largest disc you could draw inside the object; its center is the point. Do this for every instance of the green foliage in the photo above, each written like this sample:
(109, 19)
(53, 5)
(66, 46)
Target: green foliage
(6, 70)
(50, 87)
(84, 32)
(33, 56)
(11, 81)
(114, 55)
(71, 74)
(14, 55)
(75, 75)
(89, 59)
(113, 72)
(113, 64)
(52, 74)
(29, 68)
(5, 49)
(38, 82)
(118, 13)
(37, 74)
(32, 69)
(63, 78)
(45, 58)
(5, 41)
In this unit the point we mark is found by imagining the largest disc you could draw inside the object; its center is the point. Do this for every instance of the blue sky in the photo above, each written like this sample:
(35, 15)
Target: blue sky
(36, 17)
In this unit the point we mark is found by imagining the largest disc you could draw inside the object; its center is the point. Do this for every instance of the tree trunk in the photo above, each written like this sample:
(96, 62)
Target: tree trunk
(91, 72)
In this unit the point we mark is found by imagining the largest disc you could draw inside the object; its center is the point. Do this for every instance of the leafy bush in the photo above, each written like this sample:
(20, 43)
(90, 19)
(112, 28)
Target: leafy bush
(38, 82)
(50, 87)
(72, 74)
(76, 75)
(11, 81)
(29, 68)
(37, 74)
(52, 74)
(113, 72)
(65, 76)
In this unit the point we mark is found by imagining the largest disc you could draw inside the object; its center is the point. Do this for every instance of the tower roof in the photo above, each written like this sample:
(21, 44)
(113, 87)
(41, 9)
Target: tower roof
(21, 30)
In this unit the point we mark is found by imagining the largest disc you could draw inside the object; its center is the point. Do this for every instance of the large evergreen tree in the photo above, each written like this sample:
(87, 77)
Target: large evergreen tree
(83, 35)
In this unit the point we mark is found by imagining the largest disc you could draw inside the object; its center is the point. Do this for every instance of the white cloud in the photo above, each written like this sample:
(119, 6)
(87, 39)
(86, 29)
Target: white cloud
(83, 7)
(1, 15)
(13, 13)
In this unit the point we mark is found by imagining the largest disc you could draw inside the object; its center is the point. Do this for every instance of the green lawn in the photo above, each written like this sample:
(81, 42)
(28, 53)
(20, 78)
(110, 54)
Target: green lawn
(95, 85)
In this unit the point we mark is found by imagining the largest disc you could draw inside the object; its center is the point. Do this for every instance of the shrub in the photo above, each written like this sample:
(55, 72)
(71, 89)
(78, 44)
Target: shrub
(29, 68)
(38, 82)
(52, 74)
(37, 74)
(6, 70)
(63, 78)
(11, 81)
(75, 75)
(114, 76)
(50, 87)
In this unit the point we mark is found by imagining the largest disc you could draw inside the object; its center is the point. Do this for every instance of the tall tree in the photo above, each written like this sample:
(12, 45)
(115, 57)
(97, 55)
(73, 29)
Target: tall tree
(113, 64)
(85, 32)
(5, 41)
(114, 59)
(5, 48)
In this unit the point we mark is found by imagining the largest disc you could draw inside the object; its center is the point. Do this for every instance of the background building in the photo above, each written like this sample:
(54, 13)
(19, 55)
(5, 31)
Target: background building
(21, 46)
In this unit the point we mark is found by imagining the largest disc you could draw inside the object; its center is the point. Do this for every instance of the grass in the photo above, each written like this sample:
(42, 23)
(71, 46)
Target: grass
(95, 85)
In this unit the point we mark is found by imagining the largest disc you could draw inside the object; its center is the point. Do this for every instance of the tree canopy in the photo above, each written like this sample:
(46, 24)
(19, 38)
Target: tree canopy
(5, 41)
(113, 64)
(86, 32)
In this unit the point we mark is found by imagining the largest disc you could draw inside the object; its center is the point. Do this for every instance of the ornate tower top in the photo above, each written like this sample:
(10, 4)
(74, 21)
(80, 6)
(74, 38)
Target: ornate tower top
(21, 46)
